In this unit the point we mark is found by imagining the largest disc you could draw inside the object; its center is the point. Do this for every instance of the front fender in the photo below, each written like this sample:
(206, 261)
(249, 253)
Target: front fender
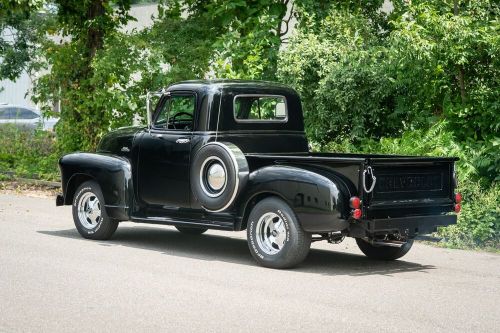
(111, 172)
(318, 201)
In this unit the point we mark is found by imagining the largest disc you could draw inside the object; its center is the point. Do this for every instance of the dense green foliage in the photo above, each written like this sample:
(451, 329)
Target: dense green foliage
(27, 153)
(83, 25)
(420, 80)
(21, 33)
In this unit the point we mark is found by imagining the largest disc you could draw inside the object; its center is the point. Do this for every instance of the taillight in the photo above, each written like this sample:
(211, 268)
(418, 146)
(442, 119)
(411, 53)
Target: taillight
(458, 208)
(458, 198)
(355, 202)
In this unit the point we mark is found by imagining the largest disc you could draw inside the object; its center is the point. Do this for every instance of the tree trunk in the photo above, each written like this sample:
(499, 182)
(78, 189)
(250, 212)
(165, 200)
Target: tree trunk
(95, 34)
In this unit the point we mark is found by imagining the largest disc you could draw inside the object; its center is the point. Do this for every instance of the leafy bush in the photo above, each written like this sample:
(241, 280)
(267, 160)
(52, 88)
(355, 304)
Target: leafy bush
(28, 153)
(479, 222)
(431, 63)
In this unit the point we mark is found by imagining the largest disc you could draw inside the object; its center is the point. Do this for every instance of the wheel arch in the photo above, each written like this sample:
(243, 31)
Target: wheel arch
(319, 201)
(248, 205)
(112, 173)
(74, 181)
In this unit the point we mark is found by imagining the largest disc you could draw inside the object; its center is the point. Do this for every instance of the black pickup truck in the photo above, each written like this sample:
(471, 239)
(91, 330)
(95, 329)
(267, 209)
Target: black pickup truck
(233, 155)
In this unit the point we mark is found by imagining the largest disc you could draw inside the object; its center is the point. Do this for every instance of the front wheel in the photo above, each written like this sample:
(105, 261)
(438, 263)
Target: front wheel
(383, 252)
(89, 213)
(274, 235)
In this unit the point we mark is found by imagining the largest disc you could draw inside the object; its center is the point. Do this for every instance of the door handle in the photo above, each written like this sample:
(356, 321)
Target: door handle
(182, 140)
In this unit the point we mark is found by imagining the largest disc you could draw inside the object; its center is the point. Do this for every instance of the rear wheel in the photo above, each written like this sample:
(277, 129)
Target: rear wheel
(89, 213)
(191, 230)
(383, 252)
(274, 235)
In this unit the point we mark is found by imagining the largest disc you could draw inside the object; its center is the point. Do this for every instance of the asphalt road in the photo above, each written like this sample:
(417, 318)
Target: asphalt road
(154, 278)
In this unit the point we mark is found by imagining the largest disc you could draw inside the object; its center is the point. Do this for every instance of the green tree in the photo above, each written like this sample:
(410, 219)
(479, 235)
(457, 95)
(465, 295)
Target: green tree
(83, 26)
(20, 36)
(435, 60)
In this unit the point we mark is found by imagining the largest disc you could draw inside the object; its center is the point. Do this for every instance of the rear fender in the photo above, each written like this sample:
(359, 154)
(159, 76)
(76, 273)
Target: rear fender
(318, 201)
(111, 172)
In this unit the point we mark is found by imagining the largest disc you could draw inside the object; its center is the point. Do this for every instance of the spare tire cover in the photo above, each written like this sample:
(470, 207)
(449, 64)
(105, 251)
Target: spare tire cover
(216, 159)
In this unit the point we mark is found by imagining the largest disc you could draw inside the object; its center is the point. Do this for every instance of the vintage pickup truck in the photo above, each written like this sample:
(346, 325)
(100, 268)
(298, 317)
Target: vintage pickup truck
(233, 155)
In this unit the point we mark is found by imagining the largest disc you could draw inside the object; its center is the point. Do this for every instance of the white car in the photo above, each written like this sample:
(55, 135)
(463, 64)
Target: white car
(24, 116)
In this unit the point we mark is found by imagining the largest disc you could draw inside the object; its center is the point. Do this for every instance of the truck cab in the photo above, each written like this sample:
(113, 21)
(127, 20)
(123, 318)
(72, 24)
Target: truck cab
(233, 155)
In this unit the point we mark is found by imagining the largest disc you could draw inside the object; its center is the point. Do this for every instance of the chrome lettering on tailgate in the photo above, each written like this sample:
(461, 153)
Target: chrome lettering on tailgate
(409, 182)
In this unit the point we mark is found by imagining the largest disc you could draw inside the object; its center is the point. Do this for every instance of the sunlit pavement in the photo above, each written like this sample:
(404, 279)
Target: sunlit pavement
(154, 278)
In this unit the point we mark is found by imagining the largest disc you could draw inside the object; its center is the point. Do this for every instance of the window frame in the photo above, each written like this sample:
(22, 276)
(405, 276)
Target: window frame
(285, 120)
(164, 99)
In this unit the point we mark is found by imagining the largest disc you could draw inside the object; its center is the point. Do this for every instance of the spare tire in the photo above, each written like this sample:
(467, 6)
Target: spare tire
(219, 170)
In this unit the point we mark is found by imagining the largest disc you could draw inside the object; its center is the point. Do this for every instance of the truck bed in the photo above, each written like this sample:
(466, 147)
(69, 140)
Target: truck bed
(404, 186)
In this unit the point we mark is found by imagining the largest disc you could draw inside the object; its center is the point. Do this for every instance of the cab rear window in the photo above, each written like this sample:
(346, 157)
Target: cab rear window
(265, 108)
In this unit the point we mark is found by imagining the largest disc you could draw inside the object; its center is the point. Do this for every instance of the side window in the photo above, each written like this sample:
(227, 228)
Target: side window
(260, 108)
(4, 114)
(8, 113)
(26, 114)
(176, 113)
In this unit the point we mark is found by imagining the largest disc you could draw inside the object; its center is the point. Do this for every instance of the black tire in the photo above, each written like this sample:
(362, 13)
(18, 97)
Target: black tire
(383, 252)
(102, 227)
(191, 230)
(235, 168)
(296, 244)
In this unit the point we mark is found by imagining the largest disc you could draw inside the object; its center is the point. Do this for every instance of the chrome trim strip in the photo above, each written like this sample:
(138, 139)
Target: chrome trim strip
(218, 115)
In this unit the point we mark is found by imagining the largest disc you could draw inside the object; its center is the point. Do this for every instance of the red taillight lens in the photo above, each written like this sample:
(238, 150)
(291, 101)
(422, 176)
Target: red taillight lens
(458, 208)
(458, 198)
(356, 214)
(355, 202)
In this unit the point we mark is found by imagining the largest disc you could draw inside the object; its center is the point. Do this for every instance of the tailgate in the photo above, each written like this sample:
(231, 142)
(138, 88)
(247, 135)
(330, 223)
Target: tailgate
(410, 186)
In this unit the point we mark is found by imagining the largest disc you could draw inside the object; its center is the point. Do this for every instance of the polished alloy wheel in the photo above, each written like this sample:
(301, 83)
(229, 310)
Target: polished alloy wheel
(89, 210)
(271, 233)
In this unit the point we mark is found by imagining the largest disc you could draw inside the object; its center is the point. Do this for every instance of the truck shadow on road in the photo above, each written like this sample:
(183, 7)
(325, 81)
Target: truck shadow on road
(212, 247)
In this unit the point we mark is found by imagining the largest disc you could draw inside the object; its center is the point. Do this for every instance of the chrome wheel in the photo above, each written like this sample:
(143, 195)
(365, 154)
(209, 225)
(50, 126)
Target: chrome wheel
(89, 210)
(271, 233)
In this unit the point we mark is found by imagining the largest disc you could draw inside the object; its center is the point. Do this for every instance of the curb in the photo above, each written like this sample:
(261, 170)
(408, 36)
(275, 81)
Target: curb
(38, 182)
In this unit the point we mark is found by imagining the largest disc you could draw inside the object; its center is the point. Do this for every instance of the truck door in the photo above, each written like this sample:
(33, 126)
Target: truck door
(164, 153)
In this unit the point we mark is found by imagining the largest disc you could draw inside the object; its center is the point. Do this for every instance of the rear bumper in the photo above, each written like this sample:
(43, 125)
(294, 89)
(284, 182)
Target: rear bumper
(409, 226)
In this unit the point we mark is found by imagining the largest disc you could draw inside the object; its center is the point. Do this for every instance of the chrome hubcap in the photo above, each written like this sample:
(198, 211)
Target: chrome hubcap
(216, 176)
(271, 233)
(89, 210)
(213, 177)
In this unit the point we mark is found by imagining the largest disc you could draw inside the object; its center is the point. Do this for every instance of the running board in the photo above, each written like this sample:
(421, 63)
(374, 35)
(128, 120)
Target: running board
(188, 223)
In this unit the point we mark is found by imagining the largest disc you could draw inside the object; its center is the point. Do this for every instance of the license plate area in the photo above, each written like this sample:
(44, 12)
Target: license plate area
(411, 182)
